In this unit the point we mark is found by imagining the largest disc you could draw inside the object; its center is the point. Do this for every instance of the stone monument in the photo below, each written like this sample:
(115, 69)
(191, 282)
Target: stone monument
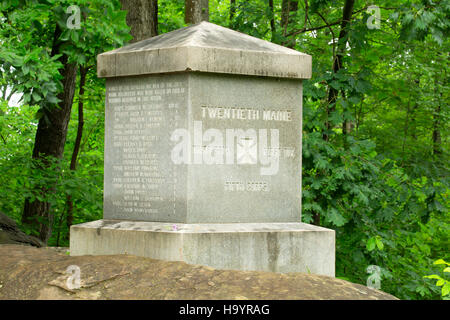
(203, 155)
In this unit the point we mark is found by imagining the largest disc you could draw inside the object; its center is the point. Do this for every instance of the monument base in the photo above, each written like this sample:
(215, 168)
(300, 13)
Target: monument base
(275, 247)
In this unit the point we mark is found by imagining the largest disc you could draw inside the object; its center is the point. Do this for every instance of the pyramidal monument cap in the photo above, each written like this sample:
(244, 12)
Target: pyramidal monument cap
(205, 47)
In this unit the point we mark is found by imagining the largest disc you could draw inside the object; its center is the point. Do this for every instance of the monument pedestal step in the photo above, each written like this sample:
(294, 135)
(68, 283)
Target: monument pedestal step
(276, 247)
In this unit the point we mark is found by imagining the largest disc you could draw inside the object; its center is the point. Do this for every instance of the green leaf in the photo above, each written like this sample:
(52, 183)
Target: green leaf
(36, 96)
(379, 244)
(52, 99)
(371, 243)
(321, 163)
(440, 282)
(25, 69)
(421, 290)
(408, 18)
(74, 36)
(446, 289)
(336, 85)
(336, 217)
(336, 118)
(420, 24)
(316, 184)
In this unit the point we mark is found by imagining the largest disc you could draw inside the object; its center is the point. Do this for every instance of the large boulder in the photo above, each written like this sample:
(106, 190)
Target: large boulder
(42, 273)
(11, 234)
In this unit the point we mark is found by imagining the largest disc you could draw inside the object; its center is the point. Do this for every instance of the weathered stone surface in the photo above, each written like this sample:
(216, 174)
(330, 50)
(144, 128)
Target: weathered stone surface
(11, 234)
(205, 47)
(277, 247)
(255, 179)
(32, 273)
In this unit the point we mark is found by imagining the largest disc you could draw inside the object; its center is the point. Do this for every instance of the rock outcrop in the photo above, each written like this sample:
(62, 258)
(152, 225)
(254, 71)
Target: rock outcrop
(11, 234)
(44, 273)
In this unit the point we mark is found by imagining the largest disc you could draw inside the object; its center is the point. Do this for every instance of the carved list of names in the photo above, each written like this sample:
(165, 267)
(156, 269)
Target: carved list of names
(141, 183)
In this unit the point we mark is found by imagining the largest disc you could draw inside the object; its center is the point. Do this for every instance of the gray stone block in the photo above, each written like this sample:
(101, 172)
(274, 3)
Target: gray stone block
(144, 182)
(276, 247)
(205, 47)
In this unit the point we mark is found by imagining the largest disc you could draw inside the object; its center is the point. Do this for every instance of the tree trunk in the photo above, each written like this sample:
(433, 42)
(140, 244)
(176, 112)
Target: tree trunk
(337, 62)
(76, 148)
(347, 125)
(316, 219)
(436, 131)
(337, 65)
(288, 6)
(232, 9)
(142, 18)
(436, 135)
(196, 11)
(272, 19)
(49, 141)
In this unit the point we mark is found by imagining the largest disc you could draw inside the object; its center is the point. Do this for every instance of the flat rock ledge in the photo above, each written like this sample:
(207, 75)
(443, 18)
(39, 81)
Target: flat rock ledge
(42, 273)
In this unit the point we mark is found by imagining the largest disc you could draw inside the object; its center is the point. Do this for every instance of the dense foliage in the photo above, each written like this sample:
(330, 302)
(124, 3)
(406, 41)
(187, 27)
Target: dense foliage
(375, 158)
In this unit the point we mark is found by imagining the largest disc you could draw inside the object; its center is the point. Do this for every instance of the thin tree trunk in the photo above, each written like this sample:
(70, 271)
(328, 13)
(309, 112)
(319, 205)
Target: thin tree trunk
(3, 139)
(337, 65)
(414, 112)
(359, 114)
(347, 125)
(196, 11)
(232, 9)
(76, 148)
(287, 7)
(337, 62)
(406, 128)
(272, 19)
(142, 18)
(437, 141)
(284, 15)
(436, 135)
(49, 141)
(316, 219)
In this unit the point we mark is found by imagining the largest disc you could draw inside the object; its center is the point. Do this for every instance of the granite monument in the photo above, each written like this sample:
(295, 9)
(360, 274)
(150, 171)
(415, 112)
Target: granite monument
(203, 155)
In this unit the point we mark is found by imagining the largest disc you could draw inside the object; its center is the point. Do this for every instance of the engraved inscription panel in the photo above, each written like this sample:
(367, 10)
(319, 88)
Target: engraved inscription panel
(203, 148)
(141, 182)
(246, 159)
